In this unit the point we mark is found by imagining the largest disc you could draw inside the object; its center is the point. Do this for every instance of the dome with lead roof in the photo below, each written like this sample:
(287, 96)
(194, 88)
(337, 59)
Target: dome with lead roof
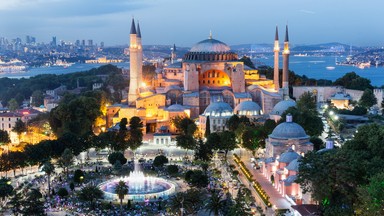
(210, 45)
(248, 108)
(288, 156)
(288, 130)
(282, 106)
(218, 109)
(176, 108)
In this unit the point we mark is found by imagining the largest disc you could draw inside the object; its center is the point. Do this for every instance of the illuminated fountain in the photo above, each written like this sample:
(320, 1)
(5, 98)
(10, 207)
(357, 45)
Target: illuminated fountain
(140, 187)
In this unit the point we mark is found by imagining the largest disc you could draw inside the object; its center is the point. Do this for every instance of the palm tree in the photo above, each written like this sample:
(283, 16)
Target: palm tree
(177, 202)
(90, 193)
(215, 203)
(121, 190)
(48, 168)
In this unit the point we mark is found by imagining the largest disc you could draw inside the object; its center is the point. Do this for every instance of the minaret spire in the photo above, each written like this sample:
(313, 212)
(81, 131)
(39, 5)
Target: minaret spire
(138, 30)
(286, 34)
(286, 53)
(276, 50)
(133, 27)
(210, 34)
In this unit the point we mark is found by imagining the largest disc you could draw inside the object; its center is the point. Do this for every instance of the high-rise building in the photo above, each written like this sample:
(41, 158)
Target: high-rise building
(54, 42)
(90, 43)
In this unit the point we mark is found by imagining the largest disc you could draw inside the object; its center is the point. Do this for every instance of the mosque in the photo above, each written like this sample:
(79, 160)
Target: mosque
(209, 81)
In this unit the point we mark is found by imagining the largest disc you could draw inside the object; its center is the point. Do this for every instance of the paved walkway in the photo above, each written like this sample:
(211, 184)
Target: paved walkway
(277, 200)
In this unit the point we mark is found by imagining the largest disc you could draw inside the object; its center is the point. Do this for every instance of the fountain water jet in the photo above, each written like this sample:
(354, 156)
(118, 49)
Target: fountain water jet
(140, 187)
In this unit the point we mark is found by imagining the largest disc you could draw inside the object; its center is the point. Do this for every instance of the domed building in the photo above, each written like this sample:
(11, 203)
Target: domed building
(287, 135)
(218, 114)
(209, 72)
(280, 108)
(248, 108)
(287, 143)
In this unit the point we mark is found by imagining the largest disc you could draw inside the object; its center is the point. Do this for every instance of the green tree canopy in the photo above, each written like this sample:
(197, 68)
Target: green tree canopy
(113, 157)
(90, 194)
(160, 160)
(368, 99)
(353, 81)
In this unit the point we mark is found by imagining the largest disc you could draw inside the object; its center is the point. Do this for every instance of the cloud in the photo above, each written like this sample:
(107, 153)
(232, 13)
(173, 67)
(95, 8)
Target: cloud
(307, 11)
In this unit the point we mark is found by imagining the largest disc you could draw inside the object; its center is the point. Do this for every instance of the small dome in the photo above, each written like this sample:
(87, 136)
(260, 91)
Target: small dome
(218, 109)
(282, 106)
(288, 130)
(290, 180)
(210, 45)
(172, 87)
(288, 156)
(294, 165)
(248, 108)
(176, 108)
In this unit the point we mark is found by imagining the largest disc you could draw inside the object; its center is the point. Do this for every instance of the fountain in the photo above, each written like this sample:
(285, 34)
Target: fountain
(140, 187)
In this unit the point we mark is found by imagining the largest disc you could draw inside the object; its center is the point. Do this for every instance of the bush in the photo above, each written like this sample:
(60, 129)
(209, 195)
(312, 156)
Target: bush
(78, 174)
(62, 192)
(160, 161)
(172, 169)
(188, 175)
(113, 157)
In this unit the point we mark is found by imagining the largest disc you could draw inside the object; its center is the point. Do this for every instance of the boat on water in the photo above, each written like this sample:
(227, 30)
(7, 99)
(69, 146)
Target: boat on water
(330, 68)
(301, 54)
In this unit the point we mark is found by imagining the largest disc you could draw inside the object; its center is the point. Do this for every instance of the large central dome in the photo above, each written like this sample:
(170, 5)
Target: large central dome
(210, 45)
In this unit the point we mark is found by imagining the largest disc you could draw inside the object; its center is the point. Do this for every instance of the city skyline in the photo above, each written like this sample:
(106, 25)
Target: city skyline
(169, 21)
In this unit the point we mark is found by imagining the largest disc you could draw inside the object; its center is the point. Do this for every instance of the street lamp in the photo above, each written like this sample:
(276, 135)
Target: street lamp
(331, 112)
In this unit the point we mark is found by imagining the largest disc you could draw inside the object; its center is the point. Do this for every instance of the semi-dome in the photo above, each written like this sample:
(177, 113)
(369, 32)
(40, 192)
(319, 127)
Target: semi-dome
(248, 108)
(218, 109)
(294, 165)
(176, 108)
(282, 106)
(210, 45)
(288, 130)
(288, 156)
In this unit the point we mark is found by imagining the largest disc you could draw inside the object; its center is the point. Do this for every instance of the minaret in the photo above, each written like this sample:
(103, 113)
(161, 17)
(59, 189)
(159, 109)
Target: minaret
(133, 65)
(139, 57)
(286, 53)
(173, 54)
(276, 50)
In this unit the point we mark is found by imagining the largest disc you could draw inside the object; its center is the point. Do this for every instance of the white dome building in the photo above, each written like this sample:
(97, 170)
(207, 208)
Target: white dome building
(248, 108)
(218, 114)
(280, 108)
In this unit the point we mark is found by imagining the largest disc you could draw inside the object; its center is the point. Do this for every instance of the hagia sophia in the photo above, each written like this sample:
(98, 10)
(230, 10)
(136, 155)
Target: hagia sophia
(209, 81)
(212, 81)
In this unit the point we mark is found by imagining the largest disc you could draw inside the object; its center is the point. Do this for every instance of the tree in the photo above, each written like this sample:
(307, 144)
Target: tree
(213, 140)
(121, 190)
(248, 62)
(159, 161)
(317, 143)
(306, 115)
(62, 192)
(6, 189)
(135, 133)
(368, 99)
(250, 139)
(48, 168)
(198, 179)
(228, 141)
(123, 124)
(37, 98)
(89, 194)
(4, 138)
(172, 169)
(207, 127)
(353, 81)
(19, 128)
(13, 104)
(117, 166)
(15, 202)
(233, 123)
(186, 142)
(371, 197)
(215, 203)
(78, 176)
(32, 204)
(66, 160)
(113, 157)
(203, 151)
